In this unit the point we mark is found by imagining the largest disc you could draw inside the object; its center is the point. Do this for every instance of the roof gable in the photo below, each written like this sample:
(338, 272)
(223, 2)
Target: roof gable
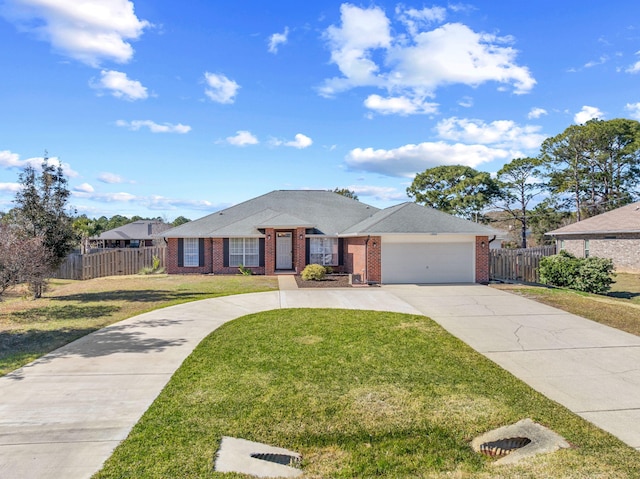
(414, 218)
(625, 219)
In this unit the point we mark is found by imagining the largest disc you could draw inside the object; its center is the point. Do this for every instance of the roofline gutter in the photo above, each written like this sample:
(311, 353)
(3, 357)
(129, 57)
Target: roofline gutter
(599, 232)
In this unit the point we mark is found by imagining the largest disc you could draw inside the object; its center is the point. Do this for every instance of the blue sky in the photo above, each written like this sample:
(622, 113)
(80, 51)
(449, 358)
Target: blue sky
(164, 108)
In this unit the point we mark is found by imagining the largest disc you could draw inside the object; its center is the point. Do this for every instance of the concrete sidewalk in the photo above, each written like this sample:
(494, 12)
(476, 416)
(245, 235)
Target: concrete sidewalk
(62, 416)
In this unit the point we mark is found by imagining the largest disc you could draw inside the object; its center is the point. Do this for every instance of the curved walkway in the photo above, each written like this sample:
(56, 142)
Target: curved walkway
(62, 415)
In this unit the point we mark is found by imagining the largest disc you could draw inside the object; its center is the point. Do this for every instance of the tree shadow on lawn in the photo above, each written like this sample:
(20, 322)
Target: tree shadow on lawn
(623, 294)
(60, 313)
(135, 337)
(144, 295)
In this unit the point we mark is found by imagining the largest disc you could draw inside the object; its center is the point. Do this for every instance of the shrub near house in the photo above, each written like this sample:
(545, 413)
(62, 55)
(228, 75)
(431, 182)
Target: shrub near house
(591, 275)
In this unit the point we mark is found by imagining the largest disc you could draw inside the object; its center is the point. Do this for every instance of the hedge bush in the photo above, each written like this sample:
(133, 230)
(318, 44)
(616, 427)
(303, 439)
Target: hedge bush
(313, 272)
(592, 275)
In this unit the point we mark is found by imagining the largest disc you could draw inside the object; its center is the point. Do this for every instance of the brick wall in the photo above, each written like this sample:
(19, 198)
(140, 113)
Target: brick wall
(482, 259)
(362, 258)
(299, 249)
(269, 251)
(171, 260)
(624, 250)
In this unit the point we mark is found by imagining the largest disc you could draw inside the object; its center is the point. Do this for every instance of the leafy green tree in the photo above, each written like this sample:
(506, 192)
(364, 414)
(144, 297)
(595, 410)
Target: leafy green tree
(346, 192)
(40, 212)
(180, 220)
(458, 190)
(596, 164)
(548, 215)
(518, 184)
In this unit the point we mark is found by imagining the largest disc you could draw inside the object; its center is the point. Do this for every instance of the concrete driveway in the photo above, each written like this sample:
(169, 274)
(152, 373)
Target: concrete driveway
(63, 415)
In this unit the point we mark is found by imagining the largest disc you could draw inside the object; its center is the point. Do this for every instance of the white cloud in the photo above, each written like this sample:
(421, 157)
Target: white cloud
(12, 160)
(89, 30)
(587, 113)
(635, 68)
(153, 202)
(466, 102)
(154, 127)
(368, 54)
(603, 59)
(278, 39)
(84, 188)
(415, 19)
(409, 159)
(242, 138)
(301, 141)
(362, 31)
(633, 109)
(111, 178)
(401, 105)
(536, 113)
(382, 193)
(500, 133)
(220, 88)
(120, 86)
(10, 187)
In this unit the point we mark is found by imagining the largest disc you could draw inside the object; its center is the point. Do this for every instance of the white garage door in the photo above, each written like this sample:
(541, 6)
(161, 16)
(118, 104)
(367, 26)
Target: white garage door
(428, 263)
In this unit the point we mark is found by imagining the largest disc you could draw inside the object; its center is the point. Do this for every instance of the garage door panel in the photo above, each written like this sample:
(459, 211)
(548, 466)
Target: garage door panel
(428, 263)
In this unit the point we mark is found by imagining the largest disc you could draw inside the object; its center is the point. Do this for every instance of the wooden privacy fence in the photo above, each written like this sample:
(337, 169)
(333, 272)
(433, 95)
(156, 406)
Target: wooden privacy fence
(518, 264)
(109, 263)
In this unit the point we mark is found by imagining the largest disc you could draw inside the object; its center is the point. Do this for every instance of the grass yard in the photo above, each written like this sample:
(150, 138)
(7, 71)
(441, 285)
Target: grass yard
(619, 309)
(359, 394)
(71, 309)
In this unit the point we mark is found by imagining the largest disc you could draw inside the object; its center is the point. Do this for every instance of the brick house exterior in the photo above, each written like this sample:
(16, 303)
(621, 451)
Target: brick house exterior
(283, 231)
(614, 235)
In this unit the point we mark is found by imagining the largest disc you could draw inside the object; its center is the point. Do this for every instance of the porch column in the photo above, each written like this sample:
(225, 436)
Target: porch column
(300, 250)
(269, 251)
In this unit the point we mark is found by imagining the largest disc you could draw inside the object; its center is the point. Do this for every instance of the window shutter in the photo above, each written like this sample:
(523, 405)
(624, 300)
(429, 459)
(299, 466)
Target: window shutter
(261, 252)
(180, 252)
(307, 252)
(201, 252)
(225, 252)
(340, 251)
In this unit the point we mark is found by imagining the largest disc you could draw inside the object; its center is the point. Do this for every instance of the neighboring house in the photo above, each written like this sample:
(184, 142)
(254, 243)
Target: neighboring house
(132, 235)
(615, 235)
(283, 231)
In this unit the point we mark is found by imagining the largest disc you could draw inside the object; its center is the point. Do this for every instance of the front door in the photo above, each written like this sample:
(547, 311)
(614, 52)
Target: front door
(284, 251)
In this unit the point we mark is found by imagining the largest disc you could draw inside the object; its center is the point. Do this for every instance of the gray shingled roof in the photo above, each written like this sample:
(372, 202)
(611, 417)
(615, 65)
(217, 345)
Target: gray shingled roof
(329, 213)
(625, 219)
(413, 218)
(138, 230)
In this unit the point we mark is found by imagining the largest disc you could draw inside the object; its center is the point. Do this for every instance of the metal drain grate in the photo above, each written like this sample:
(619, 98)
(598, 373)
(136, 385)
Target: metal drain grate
(284, 459)
(502, 447)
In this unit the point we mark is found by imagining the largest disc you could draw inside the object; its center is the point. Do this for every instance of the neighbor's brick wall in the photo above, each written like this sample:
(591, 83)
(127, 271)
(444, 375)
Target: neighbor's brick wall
(624, 250)
(482, 259)
(171, 259)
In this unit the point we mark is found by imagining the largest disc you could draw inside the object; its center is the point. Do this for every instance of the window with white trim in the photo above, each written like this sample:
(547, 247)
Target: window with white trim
(244, 251)
(191, 252)
(323, 251)
(586, 248)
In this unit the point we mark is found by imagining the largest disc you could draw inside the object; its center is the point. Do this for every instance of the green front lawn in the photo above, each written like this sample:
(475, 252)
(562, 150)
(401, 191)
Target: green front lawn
(359, 394)
(72, 309)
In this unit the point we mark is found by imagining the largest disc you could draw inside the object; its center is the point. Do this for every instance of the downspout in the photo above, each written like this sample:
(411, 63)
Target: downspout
(366, 260)
(493, 239)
